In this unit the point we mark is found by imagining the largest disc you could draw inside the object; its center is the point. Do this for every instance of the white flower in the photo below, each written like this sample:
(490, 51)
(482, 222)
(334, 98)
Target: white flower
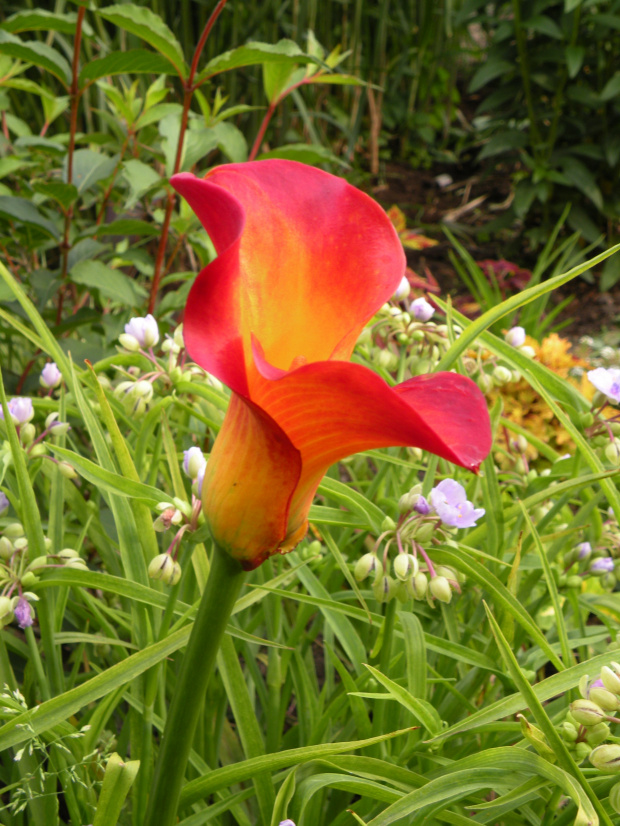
(403, 289)
(193, 461)
(607, 380)
(421, 310)
(516, 336)
(140, 333)
(20, 408)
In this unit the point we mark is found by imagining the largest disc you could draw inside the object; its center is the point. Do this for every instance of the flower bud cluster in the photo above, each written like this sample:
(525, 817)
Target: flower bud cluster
(584, 561)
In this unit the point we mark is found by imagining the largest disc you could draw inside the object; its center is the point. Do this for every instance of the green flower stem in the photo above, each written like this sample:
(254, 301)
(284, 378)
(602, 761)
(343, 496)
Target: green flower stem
(218, 599)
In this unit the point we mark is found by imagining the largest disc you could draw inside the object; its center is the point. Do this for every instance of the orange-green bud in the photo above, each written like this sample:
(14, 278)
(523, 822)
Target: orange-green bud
(606, 758)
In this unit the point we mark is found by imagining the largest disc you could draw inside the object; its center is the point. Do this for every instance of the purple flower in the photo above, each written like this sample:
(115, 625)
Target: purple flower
(597, 684)
(4, 502)
(20, 408)
(421, 506)
(421, 310)
(584, 549)
(286, 822)
(200, 478)
(23, 613)
(602, 565)
(50, 375)
(144, 330)
(449, 499)
(607, 381)
(515, 336)
(193, 460)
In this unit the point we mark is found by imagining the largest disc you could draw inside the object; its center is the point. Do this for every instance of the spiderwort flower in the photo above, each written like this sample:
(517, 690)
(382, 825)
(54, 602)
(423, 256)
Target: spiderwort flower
(421, 310)
(23, 613)
(602, 565)
(294, 237)
(403, 289)
(50, 375)
(286, 822)
(607, 381)
(584, 549)
(515, 336)
(450, 501)
(193, 461)
(20, 408)
(140, 333)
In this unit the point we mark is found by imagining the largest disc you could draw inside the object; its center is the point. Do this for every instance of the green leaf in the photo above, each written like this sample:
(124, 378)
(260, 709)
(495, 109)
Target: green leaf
(490, 70)
(612, 88)
(305, 153)
(23, 211)
(423, 712)
(254, 53)
(574, 59)
(128, 226)
(117, 781)
(38, 53)
(64, 194)
(544, 25)
(276, 77)
(503, 142)
(134, 61)
(88, 168)
(150, 27)
(110, 283)
(141, 178)
(41, 20)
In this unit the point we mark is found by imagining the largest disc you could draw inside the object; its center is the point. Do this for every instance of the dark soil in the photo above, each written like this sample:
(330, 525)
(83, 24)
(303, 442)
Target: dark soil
(473, 206)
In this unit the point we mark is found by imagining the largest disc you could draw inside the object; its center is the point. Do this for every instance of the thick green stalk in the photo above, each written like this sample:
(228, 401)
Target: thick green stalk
(218, 599)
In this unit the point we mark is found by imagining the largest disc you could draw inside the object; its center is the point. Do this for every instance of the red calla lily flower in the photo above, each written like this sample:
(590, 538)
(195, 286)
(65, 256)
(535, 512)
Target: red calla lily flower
(304, 261)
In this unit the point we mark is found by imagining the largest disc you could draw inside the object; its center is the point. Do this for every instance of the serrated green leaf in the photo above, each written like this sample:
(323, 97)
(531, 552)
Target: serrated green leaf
(134, 61)
(42, 20)
(88, 168)
(38, 53)
(255, 53)
(110, 283)
(150, 27)
(22, 211)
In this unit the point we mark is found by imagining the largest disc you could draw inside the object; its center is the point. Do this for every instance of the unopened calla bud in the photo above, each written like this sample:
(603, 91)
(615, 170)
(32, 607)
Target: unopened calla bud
(606, 758)
(366, 565)
(587, 713)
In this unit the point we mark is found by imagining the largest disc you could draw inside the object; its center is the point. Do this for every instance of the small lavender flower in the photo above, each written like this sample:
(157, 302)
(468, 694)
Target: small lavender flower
(193, 461)
(286, 822)
(421, 506)
(23, 613)
(450, 502)
(200, 479)
(584, 549)
(421, 310)
(607, 381)
(4, 502)
(142, 332)
(50, 375)
(20, 408)
(602, 565)
(515, 336)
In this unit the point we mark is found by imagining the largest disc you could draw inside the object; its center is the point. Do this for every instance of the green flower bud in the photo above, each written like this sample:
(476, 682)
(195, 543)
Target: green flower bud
(608, 581)
(384, 588)
(405, 503)
(614, 798)
(29, 579)
(501, 375)
(366, 565)
(6, 548)
(404, 567)
(612, 453)
(38, 562)
(440, 588)
(604, 698)
(420, 585)
(27, 434)
(20, 544)
(76, 563)
(485, 382)
(582, 750)
(448, 573)
(597, 734)
(575, 582)
(606, 758)
(522, 443)
(568, 731)
(38, 450)
(401, 592)
(165, 568)
(6, 611)
(67, 470)
(14, 530)
(129, 342)
(66, 554)
(424, 531)
(586, 419)
(587, 713)
(388, 524)
(611, 679)
(177, 337)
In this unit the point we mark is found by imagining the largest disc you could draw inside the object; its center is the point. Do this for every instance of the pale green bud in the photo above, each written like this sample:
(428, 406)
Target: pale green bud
(27, 434)
(401, 592)
(66, 554)
(606, 758)
(485, 382)
(38, 450)
(6, 548)
(388, 524)
(387, 360)
(13, 530)
(38, 562)
(420, 585)
(129, 342)
(178, 337)
(604, 698)
(611, 679)
(587, 713)
(6, 611)
(20, 544)
(448, 573)
(597, 734)
(574, 581)
(165, 568)
(614, 798)
(501, 375)
(67, 470)
(582, 750)
(123, 388)
(403, 567)
(612, 453)
(366, 565)
(143, 390)
(384, 588)
(424, 531)
(568, 732)
(405, 503)
(527, 351)
(440, 588)
(29, 579)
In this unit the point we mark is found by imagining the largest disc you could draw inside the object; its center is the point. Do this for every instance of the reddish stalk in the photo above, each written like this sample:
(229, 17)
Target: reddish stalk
(74, 93)
(188, 93)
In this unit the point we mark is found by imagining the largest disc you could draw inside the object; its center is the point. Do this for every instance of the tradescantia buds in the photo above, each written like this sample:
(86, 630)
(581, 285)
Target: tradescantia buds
(165, 568)
(587, 713)
(606, 758)
(611, 679)
(366, 565)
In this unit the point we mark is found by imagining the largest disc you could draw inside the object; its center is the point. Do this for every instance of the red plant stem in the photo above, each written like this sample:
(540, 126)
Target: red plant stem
(271, 110)
(188, 93)
(74, 94)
